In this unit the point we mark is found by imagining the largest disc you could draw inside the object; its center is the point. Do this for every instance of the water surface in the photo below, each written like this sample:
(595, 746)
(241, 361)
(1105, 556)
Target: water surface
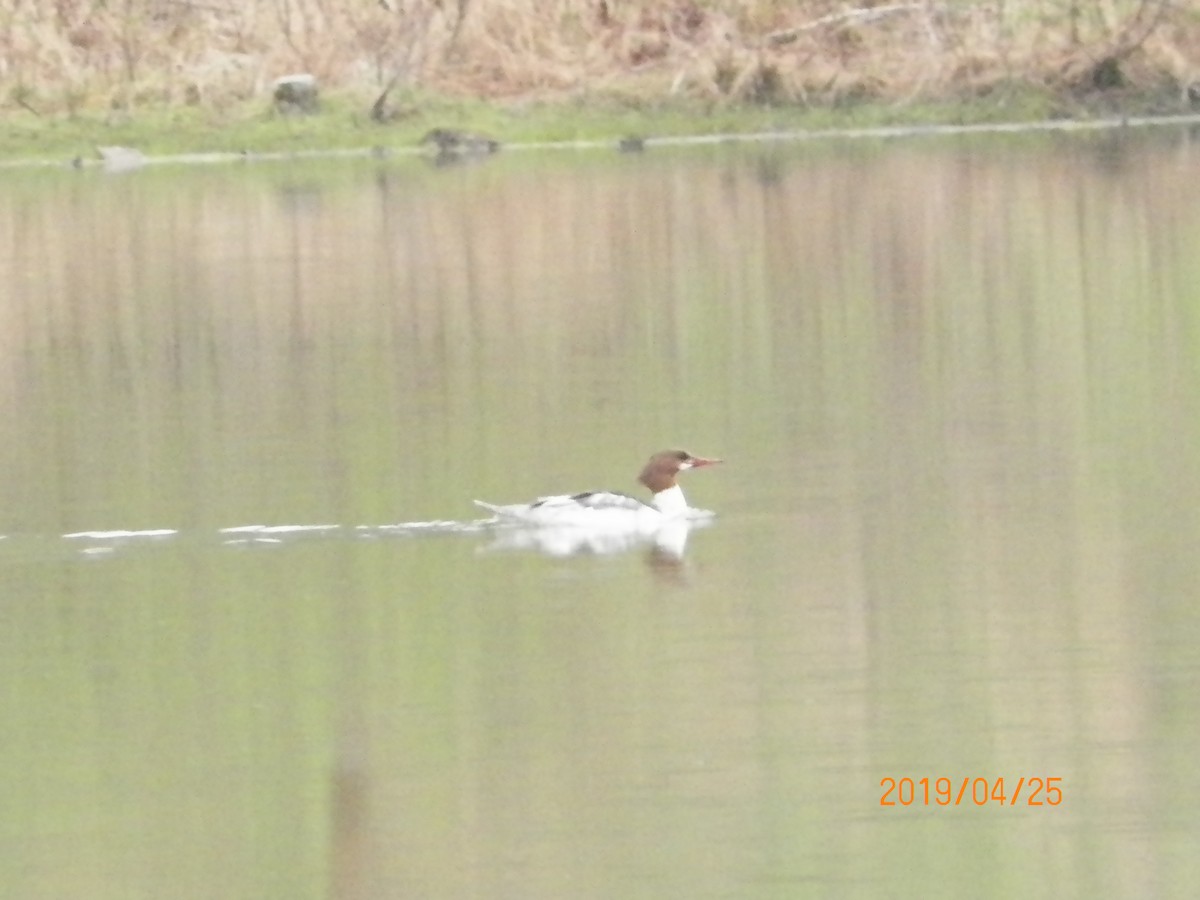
(955, 381)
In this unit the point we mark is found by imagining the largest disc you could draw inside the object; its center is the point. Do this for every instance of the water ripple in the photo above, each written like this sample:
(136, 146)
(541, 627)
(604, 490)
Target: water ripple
(101, 543)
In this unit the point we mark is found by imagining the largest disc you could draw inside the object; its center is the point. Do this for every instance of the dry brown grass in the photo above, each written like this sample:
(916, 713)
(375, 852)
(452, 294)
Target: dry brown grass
(65, 55)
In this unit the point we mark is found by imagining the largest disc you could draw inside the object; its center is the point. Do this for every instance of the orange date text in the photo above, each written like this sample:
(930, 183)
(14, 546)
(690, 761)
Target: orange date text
(1024, 791)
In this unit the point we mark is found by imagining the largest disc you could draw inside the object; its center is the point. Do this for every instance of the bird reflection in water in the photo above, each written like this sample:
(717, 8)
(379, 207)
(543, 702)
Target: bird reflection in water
(664, 549)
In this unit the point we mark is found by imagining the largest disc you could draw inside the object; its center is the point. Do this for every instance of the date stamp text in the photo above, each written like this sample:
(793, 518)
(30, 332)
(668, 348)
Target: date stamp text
(1024, 791)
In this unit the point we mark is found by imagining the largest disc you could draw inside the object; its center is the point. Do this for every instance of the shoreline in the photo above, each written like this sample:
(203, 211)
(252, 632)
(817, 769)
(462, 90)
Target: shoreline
(409, 148)
(180, 78)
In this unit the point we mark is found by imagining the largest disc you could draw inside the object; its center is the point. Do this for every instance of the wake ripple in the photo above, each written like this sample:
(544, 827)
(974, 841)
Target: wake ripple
(99, 543)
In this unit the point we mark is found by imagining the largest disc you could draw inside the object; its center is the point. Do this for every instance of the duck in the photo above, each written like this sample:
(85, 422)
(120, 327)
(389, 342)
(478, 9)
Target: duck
(451, 143)
(612, 510)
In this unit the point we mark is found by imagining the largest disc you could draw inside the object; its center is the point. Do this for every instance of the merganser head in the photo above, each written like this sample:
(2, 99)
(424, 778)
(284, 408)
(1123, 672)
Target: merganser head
(659, 474)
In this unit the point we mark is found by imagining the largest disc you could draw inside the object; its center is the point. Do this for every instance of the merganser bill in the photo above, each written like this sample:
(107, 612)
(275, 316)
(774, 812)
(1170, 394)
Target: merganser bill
(613, 510)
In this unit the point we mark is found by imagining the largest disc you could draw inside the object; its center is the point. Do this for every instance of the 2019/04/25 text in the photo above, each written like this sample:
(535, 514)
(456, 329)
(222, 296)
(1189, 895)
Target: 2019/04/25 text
(1031, 791)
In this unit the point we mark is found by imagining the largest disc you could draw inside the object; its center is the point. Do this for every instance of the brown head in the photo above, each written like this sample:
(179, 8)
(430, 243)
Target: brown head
(660, 471)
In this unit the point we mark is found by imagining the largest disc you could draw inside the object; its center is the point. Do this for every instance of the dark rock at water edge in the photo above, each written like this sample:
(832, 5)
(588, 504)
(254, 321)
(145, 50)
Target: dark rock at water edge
(296, 94)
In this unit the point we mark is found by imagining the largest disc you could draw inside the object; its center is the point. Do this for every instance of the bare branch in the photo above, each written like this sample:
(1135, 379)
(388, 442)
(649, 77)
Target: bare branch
(858, 16)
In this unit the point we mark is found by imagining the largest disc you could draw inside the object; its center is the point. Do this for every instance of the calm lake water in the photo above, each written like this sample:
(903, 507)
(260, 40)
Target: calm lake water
(955, 382)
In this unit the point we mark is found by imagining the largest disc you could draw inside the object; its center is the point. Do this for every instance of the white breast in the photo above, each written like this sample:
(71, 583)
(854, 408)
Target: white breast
(671, 502)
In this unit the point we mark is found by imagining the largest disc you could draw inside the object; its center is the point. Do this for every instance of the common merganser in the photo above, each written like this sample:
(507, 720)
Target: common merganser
(610, 510)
